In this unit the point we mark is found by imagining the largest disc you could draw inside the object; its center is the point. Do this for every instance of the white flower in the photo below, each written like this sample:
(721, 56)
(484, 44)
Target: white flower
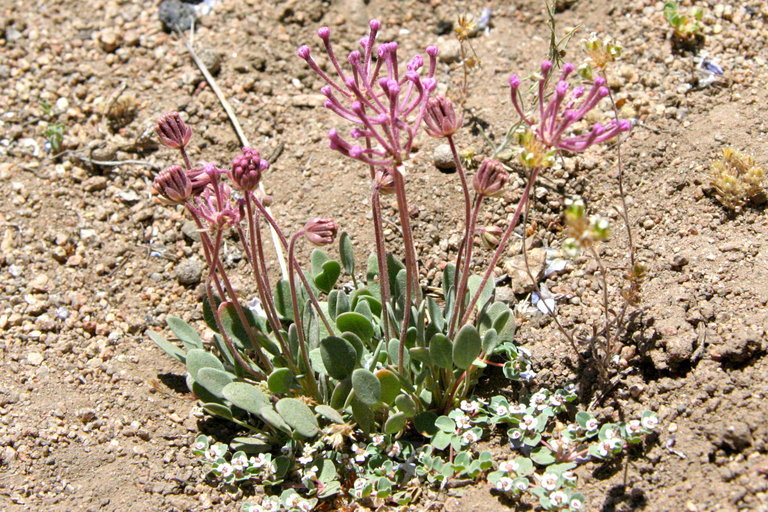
(198, 446)
(259, 461)
(470, 437)
(559, 498)
(556, 400)
(304, 459)
(360, 483)
(522, 484)
(463, 422)
(603, 449)
(470, 407)
(650, 422)
(395, 450)
(528, 375)
(517, 409)
(529, 422)
(591, 425)
(270, 504)
(569, 476)
(504, 484)
(515, 435)
(509, 466)
(360, 453)
(293, 500)
(634, 426)
(305, 506)
(576, 504)
(548, 481)
(377, 439)
(226, 469)
(310, 474)
(240, 462)
(501, 410)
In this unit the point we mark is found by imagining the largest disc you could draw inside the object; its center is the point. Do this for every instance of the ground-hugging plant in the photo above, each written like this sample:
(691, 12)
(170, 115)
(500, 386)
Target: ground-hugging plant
(316, 368)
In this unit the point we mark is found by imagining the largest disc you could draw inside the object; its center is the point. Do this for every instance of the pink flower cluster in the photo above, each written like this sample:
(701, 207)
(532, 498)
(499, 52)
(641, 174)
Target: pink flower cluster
(386, 104)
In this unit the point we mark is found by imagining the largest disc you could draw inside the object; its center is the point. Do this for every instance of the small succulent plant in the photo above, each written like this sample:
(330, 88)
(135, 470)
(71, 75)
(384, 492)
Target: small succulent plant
(686, 27)
(738, 180)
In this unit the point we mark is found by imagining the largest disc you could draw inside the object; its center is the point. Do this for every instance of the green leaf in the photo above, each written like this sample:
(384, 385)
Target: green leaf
(327, 471)
(329, 489)
(473, 285)
(340, 393)
(218, 410)
(282, 298)
(325, 271)
(299, 416)
(233, 327)
(339, 357)
(441, 440)
(543, 456)
(214, 380)
(329, 413)
(250, 444)
(338, 303)
(280, 380)
(449, 279)
(363, 415)
(395, 423)
(202, 393)
(466, 347)
(367, 387)
(394, 266)
(421, 354)
(441, 351)
(490, 340)
(271, 417)
(198, 358)
(184, 332)
(245, 396)
(346, 253)
(362, 307)
(406, 405)
(435, 314)
(424, 422)
(168, 347)
(393, 351)
(355, 323)
(446, 424)
(390, 385)
(208, 316)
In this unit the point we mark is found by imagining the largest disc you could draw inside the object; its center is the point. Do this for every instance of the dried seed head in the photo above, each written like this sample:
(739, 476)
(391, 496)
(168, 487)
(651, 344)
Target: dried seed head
(490, 236)
(247, 168)
(440, 117)
(384, 181)
(490, 178)
(173, 185)
(321, 231)
(173, 132)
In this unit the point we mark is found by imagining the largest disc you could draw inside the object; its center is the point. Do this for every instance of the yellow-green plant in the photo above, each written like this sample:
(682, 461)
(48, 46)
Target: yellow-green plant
(738, 180)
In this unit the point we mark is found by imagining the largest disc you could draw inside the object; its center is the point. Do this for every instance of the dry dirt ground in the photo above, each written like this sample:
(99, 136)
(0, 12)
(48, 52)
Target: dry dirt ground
(94, 417)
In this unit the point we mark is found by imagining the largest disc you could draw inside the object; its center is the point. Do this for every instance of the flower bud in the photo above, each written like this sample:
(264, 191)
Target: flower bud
(173, 132)
(440, 117)
(490, 236)
(384, 181)
(320, 231)
(173, 185)
(199, 179)
(247, 168)
(490, 178)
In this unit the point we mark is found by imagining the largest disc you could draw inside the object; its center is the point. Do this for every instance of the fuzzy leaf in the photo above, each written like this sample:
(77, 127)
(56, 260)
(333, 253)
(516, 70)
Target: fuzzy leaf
(198, 358)
(490, 340)
(329, 413)
(299, 416)
(346, 253)
(325, 271)
(435, 314)
(390, 385)
(421, 354)
(214, 380)
(168, 347)
(280, 380)
(473, 285)
(363, 415)
(449, 279)
(184, 332)
(271, 417)
(395, 423)
(355, 323)
(441, 351)
(543, 456)
(367, 387)
(441, 440)
(282, 298)
(245, 396)
(466, 347)
(340, 393)
(446, 424)
(406, 405)
(218, 410)
(339, 357)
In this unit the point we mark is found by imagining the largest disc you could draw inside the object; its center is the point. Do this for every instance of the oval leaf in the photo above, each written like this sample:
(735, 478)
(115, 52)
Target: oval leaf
(214, 380)
(355, 323)
(367, 387)
(466, 347)
(299, 416)
(346, 253)
(245, 396)
(329, 413)
(184, 332)
(395, 423)
(339, 357)
(406, 405)
(168, 347)
(390, 385)
(441, 351)
(198, 358)
(280, 380)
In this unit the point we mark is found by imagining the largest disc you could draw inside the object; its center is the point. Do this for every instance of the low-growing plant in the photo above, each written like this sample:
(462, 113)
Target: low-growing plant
(54, 130)
(315, 367)
(686, 26)
(738, 180)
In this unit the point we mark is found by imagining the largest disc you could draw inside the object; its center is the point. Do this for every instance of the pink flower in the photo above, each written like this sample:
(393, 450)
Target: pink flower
(565, 107)
(321, 231)
(173, 185)
(247, 168)
(173, 132)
